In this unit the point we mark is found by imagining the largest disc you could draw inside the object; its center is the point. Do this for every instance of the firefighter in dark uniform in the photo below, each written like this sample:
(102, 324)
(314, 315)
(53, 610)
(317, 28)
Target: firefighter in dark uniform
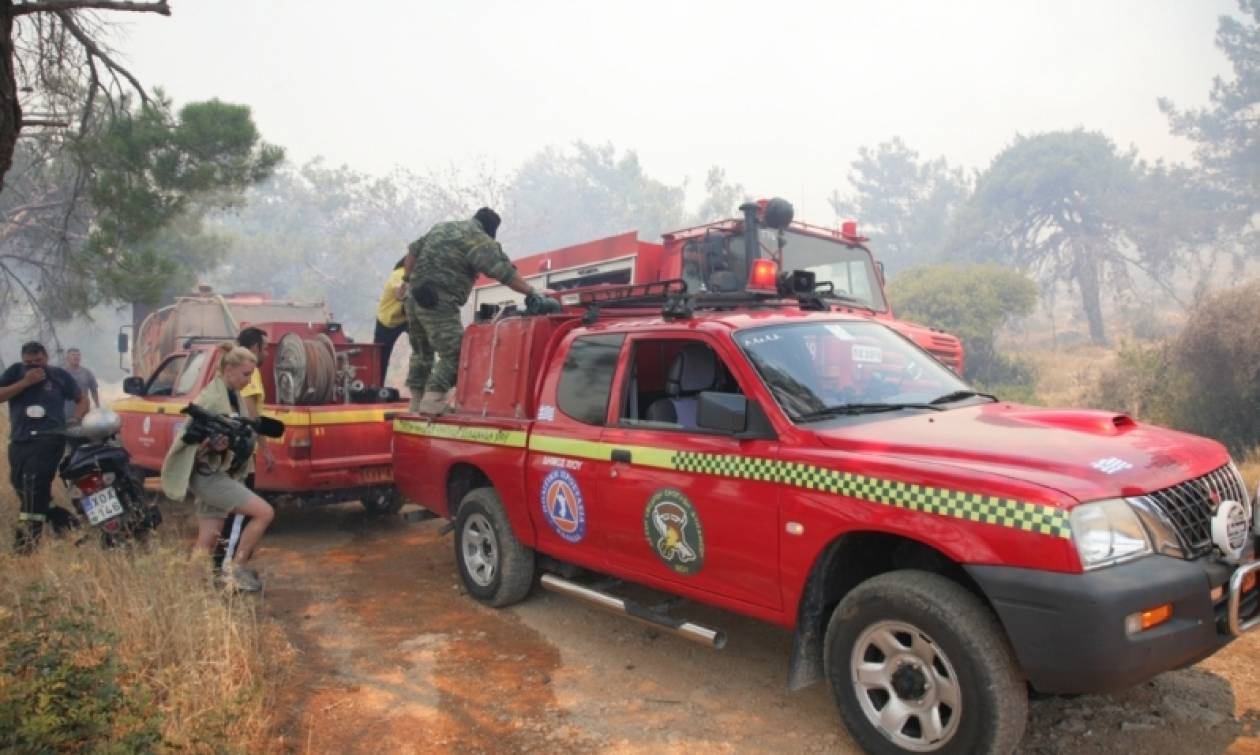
(37, 395)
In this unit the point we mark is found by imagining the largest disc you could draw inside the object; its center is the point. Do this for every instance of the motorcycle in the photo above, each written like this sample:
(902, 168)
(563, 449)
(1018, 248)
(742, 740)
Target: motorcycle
(102, 483)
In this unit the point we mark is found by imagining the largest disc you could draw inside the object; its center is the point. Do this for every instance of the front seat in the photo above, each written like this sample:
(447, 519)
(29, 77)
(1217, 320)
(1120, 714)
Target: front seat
(694, 369)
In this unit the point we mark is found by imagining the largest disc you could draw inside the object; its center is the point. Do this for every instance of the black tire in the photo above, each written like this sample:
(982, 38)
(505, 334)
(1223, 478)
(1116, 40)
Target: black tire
(968, 659)
(383, 501)
(496, 569)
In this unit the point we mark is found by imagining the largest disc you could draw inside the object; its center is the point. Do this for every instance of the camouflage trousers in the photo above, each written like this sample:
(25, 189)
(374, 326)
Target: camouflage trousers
(432, 331)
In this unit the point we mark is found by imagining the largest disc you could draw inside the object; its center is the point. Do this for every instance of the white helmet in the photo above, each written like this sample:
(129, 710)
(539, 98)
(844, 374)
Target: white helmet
(99, 424)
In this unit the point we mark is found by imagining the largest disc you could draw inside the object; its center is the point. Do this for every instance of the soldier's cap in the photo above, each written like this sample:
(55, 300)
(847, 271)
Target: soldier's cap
(489, 220)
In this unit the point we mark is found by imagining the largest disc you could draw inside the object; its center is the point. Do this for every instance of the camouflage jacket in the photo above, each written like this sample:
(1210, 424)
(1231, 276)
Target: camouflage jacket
(451, 255)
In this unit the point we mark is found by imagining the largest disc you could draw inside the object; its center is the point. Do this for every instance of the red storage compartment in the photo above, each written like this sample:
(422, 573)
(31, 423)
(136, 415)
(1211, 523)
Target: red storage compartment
(499, 363)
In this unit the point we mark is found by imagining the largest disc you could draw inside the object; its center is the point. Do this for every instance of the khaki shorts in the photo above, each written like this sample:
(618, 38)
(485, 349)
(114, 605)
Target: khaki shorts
(218, 495)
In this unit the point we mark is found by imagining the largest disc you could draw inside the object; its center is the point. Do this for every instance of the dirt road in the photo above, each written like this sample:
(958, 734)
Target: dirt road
(393, 658)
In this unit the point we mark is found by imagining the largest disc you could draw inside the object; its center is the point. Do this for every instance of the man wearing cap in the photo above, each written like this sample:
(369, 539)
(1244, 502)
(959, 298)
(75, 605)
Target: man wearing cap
(440, 268)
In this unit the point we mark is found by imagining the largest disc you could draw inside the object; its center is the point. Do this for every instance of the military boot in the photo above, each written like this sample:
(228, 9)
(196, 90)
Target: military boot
(433, 402)
(414, 406)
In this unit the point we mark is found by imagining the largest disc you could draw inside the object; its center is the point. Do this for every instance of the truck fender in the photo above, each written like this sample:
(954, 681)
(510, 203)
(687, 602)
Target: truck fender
(463, 476)
(842, 565)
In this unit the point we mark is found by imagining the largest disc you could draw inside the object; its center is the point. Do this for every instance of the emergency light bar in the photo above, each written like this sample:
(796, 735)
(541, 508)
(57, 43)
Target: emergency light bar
(763, 277)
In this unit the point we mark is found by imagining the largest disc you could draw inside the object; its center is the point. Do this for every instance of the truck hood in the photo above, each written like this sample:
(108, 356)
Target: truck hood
(1088, 455)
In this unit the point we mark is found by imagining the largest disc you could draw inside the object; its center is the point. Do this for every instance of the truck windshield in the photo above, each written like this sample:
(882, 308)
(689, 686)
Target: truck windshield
(717, 264)
(850, 270)
(836, 367)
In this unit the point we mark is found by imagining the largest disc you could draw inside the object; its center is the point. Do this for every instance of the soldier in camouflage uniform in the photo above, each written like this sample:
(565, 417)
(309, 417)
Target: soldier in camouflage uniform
(441, 268)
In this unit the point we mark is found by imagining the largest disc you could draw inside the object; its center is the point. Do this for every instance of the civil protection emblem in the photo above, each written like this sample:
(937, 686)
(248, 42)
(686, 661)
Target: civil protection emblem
(562, 505)
(673, 531)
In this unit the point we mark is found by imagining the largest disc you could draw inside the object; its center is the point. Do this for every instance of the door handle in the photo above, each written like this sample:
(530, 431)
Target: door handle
(621, 454)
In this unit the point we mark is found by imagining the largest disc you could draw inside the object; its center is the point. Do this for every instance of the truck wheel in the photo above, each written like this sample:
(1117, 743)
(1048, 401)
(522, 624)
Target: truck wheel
(916, 663)
(383, 501)
(497, 570)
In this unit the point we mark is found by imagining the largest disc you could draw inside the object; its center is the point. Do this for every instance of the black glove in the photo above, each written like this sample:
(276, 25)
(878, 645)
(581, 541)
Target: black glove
(536, 304)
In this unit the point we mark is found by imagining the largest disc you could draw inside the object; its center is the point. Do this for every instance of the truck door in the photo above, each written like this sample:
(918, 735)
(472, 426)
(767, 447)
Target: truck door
(149, 424)
(565, 469)
(677, 508)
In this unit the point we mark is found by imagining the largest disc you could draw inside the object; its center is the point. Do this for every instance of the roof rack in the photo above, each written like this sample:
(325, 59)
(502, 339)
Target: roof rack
(634, 295)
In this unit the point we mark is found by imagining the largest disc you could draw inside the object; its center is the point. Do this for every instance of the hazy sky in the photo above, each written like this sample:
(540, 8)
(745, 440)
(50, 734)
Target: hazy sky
(781, 94)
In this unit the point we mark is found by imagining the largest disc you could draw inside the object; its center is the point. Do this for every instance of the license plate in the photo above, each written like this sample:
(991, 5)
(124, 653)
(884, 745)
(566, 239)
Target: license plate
(102, 505)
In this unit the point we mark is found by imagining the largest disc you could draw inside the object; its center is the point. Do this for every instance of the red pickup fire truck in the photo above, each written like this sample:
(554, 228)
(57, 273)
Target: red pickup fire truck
(722, 248)
(322, 385)
(935, 551)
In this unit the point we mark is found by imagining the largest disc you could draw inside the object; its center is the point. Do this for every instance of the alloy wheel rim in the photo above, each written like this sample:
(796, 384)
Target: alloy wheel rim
(906, 686)
(481, 550)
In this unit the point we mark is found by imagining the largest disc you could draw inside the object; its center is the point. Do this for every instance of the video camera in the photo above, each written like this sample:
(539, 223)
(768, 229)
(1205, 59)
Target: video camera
(241, 432)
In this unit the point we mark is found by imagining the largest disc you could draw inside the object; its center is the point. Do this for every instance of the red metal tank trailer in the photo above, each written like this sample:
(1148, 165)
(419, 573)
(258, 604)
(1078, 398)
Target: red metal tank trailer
(716, 257)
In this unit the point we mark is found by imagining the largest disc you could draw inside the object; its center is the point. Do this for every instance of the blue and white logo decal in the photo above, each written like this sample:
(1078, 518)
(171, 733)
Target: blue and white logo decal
(562, 505)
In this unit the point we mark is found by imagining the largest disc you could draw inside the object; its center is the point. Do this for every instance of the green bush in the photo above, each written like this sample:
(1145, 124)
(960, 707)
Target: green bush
(1137, 384)
(971, 302)
(1205, 380)
(62, 689)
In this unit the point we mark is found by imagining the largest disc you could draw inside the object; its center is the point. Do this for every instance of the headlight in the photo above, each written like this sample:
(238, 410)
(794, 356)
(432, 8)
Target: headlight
(1108, 532)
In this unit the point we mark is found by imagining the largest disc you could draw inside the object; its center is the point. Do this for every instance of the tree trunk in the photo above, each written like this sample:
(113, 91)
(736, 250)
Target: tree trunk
(1086, 274)
(10, 110)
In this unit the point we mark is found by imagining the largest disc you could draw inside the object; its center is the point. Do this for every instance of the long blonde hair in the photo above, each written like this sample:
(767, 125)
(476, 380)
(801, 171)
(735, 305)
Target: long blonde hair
(231, 355)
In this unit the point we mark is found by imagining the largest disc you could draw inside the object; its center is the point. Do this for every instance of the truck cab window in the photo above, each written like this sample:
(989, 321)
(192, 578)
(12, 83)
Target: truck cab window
(586, 378)
(163, 381)
(666, 379)
(192, 371)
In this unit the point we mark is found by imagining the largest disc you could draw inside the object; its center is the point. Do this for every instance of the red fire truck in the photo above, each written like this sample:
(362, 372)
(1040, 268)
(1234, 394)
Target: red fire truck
(935, 551)
(722, 249)
(321, 384)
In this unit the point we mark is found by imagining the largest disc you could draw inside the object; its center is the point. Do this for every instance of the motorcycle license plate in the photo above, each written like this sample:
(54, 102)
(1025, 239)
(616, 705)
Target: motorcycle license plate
(102, 505)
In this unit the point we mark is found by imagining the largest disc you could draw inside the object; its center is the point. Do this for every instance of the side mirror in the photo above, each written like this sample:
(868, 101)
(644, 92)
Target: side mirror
(123, 343)
(133, 386)
(879, 270)
(735, 414)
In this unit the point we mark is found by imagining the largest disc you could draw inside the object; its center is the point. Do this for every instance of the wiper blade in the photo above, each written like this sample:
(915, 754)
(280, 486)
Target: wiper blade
(854, 409)
(949, 398)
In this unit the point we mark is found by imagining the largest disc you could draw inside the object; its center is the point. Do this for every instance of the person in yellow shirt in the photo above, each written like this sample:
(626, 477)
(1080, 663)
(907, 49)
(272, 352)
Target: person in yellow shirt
(391, 320)
(255, 339)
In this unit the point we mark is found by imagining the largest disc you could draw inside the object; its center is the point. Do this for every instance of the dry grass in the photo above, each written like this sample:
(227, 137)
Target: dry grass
(210, 660)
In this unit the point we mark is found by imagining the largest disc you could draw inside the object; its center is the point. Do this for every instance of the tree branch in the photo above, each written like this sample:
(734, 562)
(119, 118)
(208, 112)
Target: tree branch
(94, 49)
(56, 6)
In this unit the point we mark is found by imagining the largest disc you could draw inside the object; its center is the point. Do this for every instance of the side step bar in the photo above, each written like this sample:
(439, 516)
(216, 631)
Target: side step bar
(713, 638)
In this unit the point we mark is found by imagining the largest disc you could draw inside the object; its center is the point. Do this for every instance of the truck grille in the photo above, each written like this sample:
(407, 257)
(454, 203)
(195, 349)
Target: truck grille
(945, 348)
(947, 358)
(1189, 506)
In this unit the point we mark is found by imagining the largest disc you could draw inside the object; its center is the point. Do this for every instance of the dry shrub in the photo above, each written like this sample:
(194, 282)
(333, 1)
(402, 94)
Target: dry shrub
(1206, 380)
(205, 661)
(1249, 466)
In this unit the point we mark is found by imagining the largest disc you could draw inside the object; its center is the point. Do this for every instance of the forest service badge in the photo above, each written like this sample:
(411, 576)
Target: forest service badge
(563, 506)
(673, 531)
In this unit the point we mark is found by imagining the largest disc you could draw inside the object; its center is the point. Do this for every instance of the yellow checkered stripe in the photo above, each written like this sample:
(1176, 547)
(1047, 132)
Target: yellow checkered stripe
(957, 504)
(1004, 512)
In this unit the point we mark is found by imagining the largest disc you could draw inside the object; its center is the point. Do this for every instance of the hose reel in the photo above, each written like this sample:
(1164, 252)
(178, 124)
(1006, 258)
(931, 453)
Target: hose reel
(306, 369)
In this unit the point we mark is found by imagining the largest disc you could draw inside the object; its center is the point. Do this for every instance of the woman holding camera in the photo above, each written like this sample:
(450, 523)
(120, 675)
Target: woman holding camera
(203, 468)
